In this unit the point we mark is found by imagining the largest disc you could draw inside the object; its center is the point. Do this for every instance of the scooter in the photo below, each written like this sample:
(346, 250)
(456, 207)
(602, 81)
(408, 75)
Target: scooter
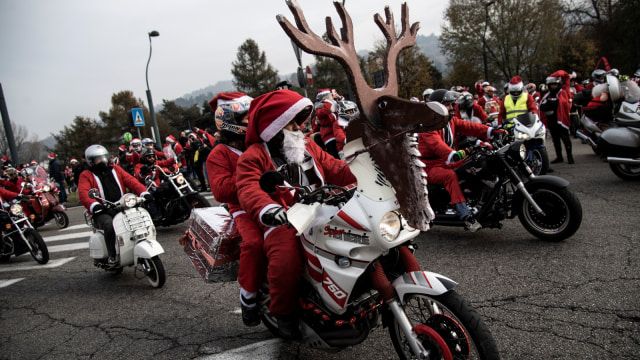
(18, 235)
(136, 243)
(44, 205)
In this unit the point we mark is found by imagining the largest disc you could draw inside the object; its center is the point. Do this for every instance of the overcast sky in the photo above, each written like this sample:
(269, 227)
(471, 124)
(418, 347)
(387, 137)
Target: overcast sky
(66, 58)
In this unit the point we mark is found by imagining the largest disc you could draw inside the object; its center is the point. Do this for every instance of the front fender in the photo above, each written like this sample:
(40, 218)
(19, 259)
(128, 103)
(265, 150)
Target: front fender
(147, 249)
(540, 180)
(422, 282)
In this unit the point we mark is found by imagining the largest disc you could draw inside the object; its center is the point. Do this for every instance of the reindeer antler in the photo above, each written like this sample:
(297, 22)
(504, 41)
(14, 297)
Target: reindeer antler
(342, 49)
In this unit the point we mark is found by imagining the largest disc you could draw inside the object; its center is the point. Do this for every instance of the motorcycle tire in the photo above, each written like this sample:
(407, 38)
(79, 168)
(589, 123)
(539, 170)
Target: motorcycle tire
(563, 213)
(154, 271)
(61, 219)
(197, 201)
(40, 252)
(447, 325)
(540, 163)
(626, 171)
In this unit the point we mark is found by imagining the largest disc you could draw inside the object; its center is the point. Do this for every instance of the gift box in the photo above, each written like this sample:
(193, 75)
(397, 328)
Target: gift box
(212, 243)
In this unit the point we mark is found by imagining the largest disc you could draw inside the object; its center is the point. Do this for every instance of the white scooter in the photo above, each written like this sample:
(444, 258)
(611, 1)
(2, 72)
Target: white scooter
(136, 242)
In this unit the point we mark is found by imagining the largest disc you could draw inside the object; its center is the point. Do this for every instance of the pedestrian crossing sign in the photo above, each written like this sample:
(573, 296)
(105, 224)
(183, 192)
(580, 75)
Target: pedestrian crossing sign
(138, 118)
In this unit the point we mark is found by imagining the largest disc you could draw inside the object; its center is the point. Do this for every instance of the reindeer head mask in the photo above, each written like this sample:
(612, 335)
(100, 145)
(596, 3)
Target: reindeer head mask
(382, 113)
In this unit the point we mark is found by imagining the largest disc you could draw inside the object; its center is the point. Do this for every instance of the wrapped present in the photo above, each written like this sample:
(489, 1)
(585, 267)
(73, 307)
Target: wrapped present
(212, 243)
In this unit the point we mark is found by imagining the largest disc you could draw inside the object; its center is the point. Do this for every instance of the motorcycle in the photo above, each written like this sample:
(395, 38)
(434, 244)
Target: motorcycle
(175, 197)
(44, 205)
(498, 184)
(19, 236)
(136, 243)
(531, 130)
(620, 145)
(360, 272)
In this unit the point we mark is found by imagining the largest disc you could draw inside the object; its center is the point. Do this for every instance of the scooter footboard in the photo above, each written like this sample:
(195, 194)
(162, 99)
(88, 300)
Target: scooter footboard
(424, 282)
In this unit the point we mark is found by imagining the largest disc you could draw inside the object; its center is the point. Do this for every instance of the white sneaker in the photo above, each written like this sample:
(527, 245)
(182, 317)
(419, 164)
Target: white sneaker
(471, 223)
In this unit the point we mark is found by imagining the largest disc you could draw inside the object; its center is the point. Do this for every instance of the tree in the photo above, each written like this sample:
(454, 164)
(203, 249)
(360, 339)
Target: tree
(252, 74)
(28, 148)
(72, 140)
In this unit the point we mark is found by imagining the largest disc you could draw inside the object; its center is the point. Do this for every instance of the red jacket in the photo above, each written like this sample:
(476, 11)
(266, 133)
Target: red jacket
(564, 100)
(7, 195)
(436, 152)
(341, 136)
(14, 186)
(256, 160)
(326, 118)
(155, 172)
(221, 168)
(88, 180)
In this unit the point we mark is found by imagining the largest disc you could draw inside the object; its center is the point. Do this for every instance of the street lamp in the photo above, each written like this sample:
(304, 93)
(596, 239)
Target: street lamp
(484, 39)
(156, 132)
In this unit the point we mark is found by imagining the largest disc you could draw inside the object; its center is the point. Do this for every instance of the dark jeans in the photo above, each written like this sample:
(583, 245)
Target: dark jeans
(558, 134)
(104, 222)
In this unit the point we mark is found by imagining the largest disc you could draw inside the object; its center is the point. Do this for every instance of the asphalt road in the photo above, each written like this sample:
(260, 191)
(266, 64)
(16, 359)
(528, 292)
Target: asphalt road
(577, 299)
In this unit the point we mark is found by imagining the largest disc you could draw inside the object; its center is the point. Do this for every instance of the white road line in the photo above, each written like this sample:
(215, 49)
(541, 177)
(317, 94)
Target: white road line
(5, 283)
(84, 234)
(264, 350)
(31, 265)
(68, 247)
(73, 227)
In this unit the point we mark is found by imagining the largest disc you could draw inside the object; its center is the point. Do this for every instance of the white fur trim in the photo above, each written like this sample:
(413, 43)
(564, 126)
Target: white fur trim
(265, 209)
(281, 121)
(245, 98)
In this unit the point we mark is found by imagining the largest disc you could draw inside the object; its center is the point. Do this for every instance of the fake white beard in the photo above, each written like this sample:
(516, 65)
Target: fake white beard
(293, 146)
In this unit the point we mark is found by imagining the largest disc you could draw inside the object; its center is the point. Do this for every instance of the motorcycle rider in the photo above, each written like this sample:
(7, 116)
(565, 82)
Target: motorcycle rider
(426, 93)
(327, 113)
(150, 143)
(13, 181)
(598, 76)
(275, 142)
(555, 108)
(468, 109)
(112, 182)
(516, 102)
(231, 118)
(146, 167)
(489, 102)
(438, 153)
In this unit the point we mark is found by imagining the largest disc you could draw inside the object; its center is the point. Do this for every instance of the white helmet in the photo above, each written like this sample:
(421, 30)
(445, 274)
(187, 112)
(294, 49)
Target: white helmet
(427, 93)
(96, 152)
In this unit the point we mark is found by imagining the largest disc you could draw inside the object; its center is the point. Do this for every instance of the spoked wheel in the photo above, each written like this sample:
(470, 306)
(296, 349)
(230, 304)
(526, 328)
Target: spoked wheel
(62, 219)
(447, 327)
(562, 214)
(39, 251)
(626, 171)
(538, 161)
(154, 271)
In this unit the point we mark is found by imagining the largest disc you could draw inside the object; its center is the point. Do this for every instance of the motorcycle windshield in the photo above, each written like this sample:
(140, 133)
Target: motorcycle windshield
(631, 91)
(40, 175)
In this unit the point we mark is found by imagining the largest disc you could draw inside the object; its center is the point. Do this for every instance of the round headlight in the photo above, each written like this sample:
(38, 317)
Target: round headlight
(522, 136)
(523, 151)
(390, 226)
(16, 209)
(130, 200)
(46, 188)
(180, 179)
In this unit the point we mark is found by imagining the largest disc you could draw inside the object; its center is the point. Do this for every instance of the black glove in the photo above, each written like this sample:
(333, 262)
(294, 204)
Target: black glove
(98, 209)
(274, 217)
(21, 198)
(148, 197)
(144, 170)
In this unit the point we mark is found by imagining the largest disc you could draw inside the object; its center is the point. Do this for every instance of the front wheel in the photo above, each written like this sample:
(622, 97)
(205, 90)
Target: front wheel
(154, 271)
(626, 171)
(538, 161)
(562, 213)
(447, 326)
(62, 219)
(39, 249)
(197, 201)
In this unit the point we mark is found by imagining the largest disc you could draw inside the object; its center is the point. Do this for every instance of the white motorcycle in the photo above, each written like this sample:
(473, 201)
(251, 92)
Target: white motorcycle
(136, 243)
(529, 128)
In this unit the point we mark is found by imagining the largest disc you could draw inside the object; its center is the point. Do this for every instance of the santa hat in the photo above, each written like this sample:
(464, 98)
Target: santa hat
(51, 156)
(322, 93)
(223, 98)
(170, 138)
(5, 158)
(516, 84)
(271, 112)
(122, 148)
(73, 160)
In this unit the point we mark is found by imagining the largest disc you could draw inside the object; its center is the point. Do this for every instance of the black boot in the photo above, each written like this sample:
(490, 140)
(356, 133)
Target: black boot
(557, 160)
(570, 159)
(288, 326)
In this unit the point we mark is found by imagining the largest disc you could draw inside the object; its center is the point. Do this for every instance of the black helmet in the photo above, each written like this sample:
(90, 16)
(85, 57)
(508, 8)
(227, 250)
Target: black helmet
(437, 95)
(147, 151)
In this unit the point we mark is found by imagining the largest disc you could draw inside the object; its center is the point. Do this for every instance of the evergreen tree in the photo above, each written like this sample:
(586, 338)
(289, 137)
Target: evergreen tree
(252, 74)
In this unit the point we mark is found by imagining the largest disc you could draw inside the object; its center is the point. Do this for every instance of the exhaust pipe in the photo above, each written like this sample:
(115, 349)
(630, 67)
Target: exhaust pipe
(586, 139)
(619, 160)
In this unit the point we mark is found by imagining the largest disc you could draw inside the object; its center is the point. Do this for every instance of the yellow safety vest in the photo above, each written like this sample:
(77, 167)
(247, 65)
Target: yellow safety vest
(513, 110)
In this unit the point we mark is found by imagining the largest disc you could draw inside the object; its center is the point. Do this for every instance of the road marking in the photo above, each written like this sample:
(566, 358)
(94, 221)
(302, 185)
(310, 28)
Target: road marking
(30, 265)
(5, 283)
(79, 235)
(68, 247)
(267, 349)
(73, 227)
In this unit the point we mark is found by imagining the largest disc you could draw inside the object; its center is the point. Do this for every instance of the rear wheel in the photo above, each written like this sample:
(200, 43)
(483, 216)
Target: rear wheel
(447, 326)
(626, 171)
(62, 219)
(154, 271)
(39, 249)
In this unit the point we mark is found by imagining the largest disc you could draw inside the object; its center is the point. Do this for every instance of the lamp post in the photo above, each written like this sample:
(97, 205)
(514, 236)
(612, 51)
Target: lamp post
(156, 132)
(484, 39)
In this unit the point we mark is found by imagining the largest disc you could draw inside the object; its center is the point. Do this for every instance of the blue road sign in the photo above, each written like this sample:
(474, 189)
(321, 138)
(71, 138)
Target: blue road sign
(138, 118)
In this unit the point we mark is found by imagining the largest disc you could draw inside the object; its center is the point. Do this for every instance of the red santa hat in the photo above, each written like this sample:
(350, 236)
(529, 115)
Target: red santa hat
(223, 98)
(5, 158)
(51, 156)
(74, 160)
(516, 84)
(271, 112)
(322, 93)
(122, 148)
(170, 139)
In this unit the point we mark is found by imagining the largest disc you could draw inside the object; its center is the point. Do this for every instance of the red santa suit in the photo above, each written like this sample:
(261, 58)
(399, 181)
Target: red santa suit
(564, 97)
(268, 115)
(7, 195)
(436, 148)
(88, 180)
(14, 185)
(155, 173)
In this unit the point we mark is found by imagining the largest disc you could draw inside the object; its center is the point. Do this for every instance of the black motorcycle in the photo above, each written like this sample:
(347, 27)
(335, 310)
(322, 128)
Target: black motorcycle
(175, 197)
(498, 184)
(18, 235)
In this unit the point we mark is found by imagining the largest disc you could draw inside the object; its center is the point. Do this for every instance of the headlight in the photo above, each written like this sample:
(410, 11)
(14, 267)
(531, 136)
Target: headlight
(46, 188)
(523, 151)
(522, 136)
(130, 200)
(180, 179)
(16, 209)
(390, 226)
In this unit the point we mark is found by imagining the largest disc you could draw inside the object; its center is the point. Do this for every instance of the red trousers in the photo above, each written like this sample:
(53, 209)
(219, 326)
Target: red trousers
(448, 178)
(252, 257)
(284, 255)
